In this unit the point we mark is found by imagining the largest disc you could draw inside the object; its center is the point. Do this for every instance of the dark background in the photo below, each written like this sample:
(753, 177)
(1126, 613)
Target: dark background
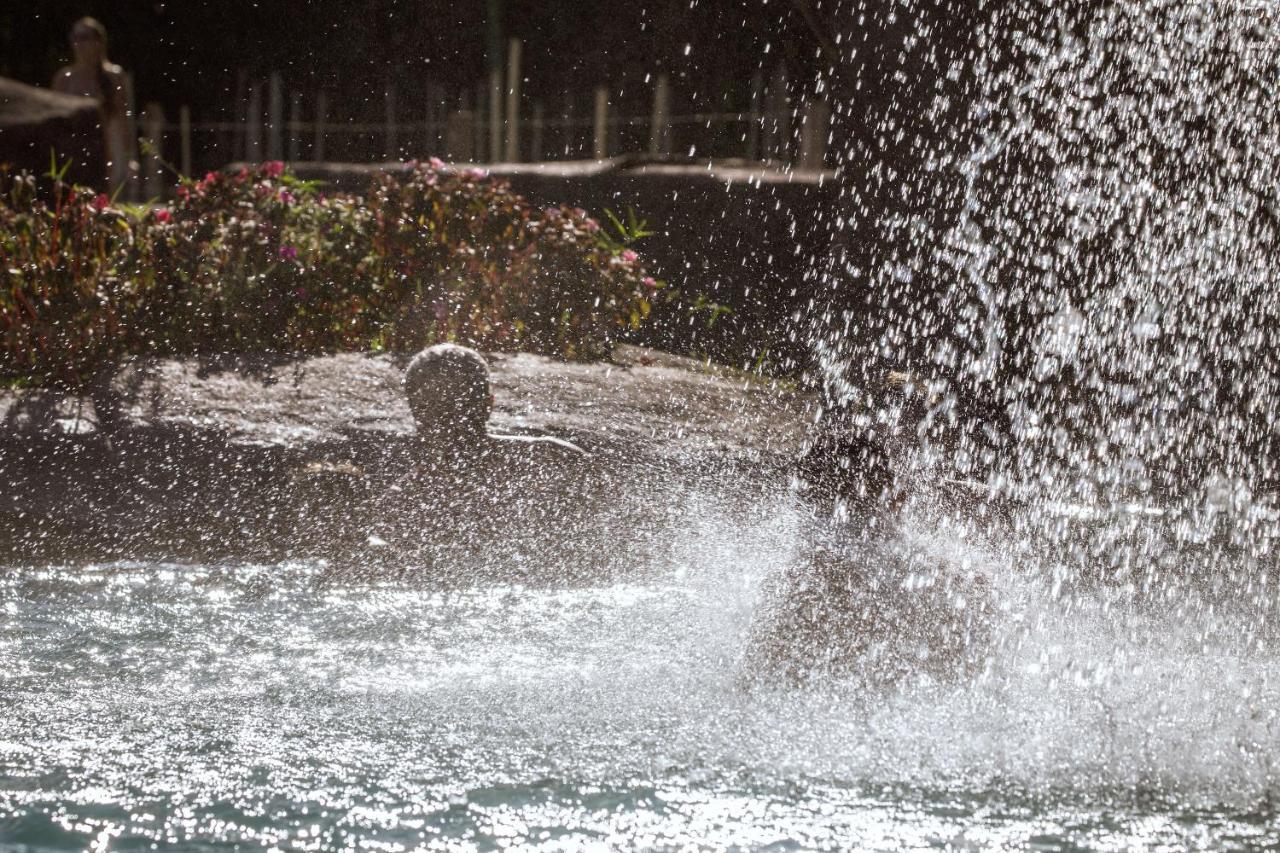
(883, 67)
(193, 51)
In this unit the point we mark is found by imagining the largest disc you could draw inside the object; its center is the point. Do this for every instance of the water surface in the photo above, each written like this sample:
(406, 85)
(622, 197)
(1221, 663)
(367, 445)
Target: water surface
(212, 705)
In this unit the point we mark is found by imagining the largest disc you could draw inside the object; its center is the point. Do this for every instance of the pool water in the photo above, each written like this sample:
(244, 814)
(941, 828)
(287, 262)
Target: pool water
(217, 705)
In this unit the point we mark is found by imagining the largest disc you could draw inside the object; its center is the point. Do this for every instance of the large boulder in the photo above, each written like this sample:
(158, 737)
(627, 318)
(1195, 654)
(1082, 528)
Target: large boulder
(36, 124)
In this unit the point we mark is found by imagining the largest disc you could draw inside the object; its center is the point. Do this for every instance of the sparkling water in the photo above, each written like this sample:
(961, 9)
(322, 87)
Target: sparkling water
(266, 705)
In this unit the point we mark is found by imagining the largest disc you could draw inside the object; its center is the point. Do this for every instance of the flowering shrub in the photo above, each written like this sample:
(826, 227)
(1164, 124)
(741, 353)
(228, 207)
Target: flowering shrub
(64, 306)
(257, 260)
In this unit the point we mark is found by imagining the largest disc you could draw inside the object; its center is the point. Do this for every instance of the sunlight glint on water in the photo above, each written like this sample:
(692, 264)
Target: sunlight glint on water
(1131, 695)
(202, 703)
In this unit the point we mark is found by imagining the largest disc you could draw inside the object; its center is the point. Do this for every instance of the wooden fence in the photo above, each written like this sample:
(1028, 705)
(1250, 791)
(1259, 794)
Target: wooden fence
(491, 123)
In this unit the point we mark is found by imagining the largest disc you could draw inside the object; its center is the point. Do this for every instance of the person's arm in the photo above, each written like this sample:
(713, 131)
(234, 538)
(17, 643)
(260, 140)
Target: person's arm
(546, 445)
(115, 75)
(61, 81)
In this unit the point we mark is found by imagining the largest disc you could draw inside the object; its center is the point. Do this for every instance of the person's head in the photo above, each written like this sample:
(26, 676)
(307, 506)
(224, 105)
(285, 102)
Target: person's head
(89, 41)
(846, 468)
(447, 387)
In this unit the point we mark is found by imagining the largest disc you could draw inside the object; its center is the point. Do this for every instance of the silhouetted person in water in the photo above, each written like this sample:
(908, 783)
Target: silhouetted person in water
(862, 601)
(454, 491)
(447, 387)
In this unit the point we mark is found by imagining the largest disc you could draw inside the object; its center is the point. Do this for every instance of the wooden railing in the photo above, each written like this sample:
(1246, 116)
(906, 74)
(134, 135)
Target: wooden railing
(491, 123)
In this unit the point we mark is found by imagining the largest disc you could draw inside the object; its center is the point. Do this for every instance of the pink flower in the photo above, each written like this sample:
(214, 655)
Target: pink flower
(162, 214)
(101, 202)
(286, 197)
(476, 174)
(591, 226)
(183, 193)
(435, 163)
(629, 256)
(272, 169)
(649, 282)
(289, 253)
(242, 175)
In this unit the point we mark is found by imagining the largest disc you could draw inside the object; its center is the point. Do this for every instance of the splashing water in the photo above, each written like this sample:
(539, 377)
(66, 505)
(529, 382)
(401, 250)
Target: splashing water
(1097, 250)
(1093, 251)
(255, 704)
(1090, 301)
(1082, 266)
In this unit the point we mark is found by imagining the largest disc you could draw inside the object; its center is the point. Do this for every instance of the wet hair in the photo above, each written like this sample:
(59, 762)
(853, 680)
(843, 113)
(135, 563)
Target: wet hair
(848, 464)
(447, 387)
(93, 25)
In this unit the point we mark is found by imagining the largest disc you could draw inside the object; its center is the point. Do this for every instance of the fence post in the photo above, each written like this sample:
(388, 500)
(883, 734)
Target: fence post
(601, 123)
(322, 115)
(535, 152)
(253, 125)
(570, 118)
(438, 117)
(753, 116)
(813, 134)
(779, 123)
(234, 134)
(153, 127)
(389, 104)
(481, 134)
(184, 135)
(512, 152)
(659, 132)
(295, 127)
(275, 117)
(460, 134)
(495, 115)
(123, 175)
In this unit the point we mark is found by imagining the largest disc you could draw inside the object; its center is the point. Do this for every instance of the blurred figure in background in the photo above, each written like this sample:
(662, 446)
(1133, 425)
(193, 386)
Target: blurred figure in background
(92, 75)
